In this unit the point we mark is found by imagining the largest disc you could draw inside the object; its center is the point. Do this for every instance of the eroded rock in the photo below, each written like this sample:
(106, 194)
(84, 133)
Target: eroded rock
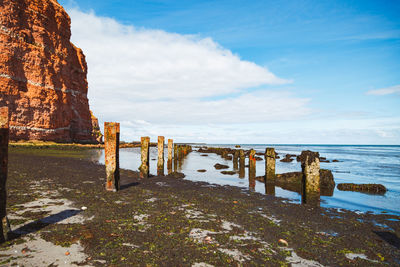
(366, 188)
(43, 76)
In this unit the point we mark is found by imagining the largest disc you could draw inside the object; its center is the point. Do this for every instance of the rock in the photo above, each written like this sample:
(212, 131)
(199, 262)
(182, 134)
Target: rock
(335, 160)
(43, 76)
(286, 159)
(326, 179)
(96, 132)
(323, 159)
(228, 172)
(292, 181)
(237, 146)
(220, 166)
(204, 155)
(366, 188)
(202, 170)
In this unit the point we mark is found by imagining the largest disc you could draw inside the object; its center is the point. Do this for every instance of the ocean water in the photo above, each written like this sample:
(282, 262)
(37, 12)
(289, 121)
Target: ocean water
(357, 164)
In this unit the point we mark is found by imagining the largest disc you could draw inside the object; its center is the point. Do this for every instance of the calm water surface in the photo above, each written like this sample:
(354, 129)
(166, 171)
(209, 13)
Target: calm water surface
(357, 164)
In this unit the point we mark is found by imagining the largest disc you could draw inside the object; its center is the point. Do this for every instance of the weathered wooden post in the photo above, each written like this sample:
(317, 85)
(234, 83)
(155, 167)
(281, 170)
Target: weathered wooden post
(160, 163)
(145, 157)
(169, 162)
(180, 157)
(111, 152)
(4, 137)
(175, 157)
(252, 169)
(269, 165)
(242, 158)
(235, 159)
(310, 176)
(175, 152)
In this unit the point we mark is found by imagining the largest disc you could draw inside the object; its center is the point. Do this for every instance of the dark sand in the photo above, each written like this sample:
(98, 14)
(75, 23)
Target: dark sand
(169, 222)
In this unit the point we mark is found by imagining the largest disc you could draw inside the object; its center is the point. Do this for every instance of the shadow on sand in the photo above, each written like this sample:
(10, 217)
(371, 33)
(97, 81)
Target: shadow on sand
(40, 224)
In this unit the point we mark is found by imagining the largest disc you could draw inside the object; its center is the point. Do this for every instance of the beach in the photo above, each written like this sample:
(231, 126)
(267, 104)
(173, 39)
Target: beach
(56, 197)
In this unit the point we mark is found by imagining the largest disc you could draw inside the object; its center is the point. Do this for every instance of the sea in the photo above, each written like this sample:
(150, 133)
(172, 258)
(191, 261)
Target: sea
(358, 164)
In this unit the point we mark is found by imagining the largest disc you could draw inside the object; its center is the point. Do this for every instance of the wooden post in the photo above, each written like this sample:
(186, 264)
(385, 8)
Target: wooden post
(252, 169)
(175, 152)
(235, 159)
(111, 148)
(269, 164)
(310, 176)
(160, 163)
(241, 163)
(169, 162)
(175, 157)
(181, 152)
(145, 157)
(4, 138)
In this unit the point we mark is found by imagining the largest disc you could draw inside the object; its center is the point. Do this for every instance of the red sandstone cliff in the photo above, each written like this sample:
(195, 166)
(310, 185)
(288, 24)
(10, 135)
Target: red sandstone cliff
(42, 74)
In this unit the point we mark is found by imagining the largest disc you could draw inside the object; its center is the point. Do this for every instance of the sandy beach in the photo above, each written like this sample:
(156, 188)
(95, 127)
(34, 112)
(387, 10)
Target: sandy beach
(61, 215)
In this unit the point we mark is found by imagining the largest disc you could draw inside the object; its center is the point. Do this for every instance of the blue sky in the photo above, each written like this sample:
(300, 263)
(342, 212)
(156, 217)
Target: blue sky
(271, 71)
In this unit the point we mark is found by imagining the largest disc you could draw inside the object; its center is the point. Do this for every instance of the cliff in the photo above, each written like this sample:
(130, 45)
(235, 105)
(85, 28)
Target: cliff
(42, 74)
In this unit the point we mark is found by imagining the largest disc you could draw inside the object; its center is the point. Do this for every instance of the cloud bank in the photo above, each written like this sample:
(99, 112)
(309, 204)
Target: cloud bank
(154, 82)
(385, 91)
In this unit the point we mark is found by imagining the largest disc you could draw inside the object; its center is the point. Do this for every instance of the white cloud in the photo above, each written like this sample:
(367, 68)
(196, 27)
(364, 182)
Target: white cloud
(385, 91)
(155, 82)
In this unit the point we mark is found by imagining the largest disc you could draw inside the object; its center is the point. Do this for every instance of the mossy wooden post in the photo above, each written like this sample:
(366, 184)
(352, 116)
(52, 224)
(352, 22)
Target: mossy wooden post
(145, 157)
(160, 162)
(310, 176)
(4, 136)
(242, 158)
(235, 159)
(252, 169)
(269, 165)
(111, 152)
(169, 162)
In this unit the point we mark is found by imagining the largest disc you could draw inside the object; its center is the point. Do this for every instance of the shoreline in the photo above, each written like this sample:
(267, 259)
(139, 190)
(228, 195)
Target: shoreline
(173, 221)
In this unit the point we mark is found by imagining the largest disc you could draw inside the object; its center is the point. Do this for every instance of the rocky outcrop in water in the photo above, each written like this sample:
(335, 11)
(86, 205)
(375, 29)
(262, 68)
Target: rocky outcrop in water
(364, 188)
(42, 74)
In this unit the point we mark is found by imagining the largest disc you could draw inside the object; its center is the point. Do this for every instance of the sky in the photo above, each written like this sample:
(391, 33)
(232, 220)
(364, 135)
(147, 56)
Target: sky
(246, 72)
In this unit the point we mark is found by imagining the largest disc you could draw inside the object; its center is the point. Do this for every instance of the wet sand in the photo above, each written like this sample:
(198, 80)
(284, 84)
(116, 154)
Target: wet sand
(169, 221)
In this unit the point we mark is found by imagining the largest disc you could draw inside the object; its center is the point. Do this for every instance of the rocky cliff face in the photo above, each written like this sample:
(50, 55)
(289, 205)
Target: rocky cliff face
(42, 74)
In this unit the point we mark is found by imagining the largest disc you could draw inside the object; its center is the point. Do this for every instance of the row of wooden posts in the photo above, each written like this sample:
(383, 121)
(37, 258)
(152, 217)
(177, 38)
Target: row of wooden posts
(111, 147)
(310, 163)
